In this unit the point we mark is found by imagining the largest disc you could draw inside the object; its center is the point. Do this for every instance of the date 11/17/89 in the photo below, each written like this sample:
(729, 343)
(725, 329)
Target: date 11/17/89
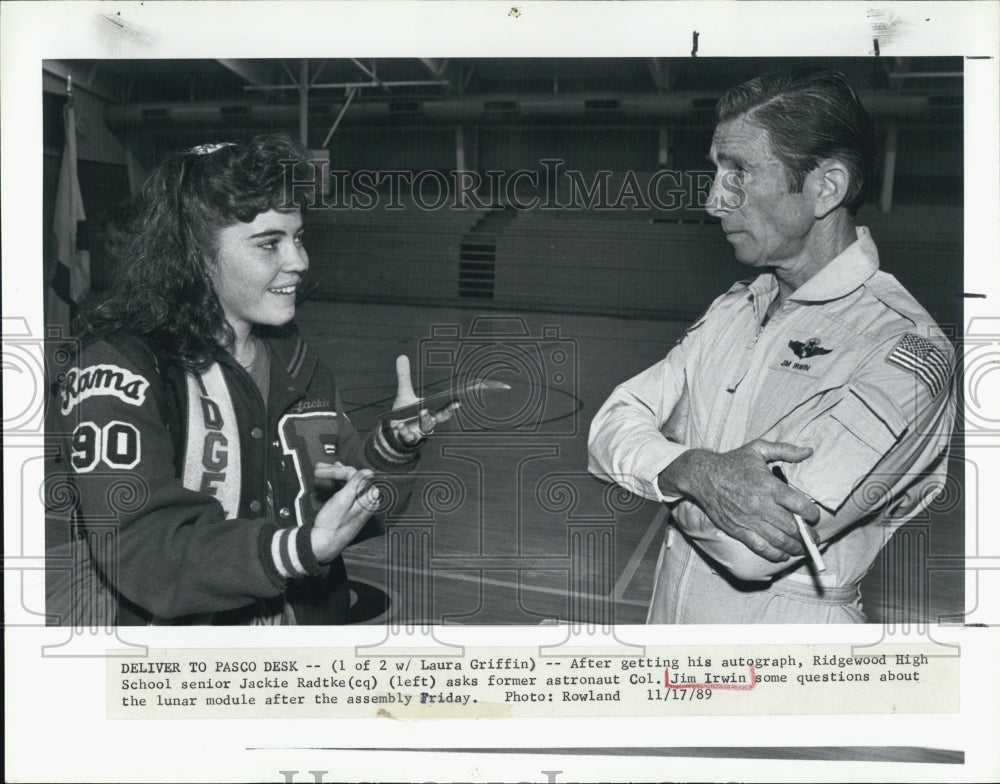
(662, 695)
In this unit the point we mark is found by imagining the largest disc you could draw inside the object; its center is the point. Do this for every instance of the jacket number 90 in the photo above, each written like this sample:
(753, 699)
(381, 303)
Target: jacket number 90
(117, 444)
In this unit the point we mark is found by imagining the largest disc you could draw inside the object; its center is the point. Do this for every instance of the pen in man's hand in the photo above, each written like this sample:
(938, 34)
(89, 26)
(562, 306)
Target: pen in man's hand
(811, 548)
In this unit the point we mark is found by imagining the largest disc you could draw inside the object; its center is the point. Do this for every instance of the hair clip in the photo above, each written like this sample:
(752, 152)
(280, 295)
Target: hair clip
(208, 149)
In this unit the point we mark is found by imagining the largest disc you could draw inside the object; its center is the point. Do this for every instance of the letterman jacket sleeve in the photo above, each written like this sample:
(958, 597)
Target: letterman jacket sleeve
(394, 464)
(381, 451)
(172, 551)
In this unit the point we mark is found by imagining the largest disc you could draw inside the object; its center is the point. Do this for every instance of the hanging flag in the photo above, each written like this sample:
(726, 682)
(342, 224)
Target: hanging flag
(72, 275)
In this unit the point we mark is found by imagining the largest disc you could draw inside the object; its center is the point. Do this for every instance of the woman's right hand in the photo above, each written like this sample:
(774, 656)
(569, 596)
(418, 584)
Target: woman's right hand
(340, 519)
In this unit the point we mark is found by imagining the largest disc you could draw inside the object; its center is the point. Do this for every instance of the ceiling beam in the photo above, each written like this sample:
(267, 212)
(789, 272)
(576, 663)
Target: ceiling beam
(370, 73)
(314, 76)
(434, 66)
(660, 72)
(92, 79)
(658, 108)
(442, 71)
(251, 71)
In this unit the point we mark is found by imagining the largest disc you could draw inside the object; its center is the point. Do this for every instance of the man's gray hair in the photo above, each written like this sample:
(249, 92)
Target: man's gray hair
(810, 114)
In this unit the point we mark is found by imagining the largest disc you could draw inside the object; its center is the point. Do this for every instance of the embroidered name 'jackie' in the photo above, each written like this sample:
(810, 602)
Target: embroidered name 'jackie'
(308, 405)
(102, 380)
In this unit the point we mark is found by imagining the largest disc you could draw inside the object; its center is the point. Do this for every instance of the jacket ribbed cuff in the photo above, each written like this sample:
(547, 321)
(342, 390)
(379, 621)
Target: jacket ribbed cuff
(386, 452)
(289, 553)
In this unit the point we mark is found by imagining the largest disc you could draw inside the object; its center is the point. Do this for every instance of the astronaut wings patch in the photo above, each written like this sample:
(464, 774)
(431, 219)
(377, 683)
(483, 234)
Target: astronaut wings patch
(922, 358)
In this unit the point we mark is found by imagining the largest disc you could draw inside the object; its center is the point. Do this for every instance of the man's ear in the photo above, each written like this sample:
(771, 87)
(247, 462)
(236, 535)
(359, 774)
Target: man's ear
(829, 182)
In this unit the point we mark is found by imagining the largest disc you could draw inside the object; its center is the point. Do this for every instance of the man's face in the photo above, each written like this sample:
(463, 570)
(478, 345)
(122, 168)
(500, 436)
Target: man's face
(766, 225)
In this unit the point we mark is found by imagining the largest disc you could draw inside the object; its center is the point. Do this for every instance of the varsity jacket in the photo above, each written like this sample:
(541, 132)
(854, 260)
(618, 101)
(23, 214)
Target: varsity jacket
(208, 497)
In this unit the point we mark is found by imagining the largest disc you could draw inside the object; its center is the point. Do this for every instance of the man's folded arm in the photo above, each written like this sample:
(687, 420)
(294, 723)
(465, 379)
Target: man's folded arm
(626, 443)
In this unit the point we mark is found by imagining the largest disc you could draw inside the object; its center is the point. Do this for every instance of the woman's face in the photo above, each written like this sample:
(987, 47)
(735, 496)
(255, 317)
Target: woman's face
(258, 267)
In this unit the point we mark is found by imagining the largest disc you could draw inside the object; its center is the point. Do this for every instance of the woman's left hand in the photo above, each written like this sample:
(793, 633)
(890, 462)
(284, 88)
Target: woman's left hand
(409, 431)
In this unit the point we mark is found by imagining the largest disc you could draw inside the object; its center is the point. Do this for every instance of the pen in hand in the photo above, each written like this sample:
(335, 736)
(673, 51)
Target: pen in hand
(811, 548)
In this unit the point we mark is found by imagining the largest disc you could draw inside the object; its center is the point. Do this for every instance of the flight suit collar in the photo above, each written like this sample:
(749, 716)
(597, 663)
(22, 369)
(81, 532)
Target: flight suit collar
(844, 273)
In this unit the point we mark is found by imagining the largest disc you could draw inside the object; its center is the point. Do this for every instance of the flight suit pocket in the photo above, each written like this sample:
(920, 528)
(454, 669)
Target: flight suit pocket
(878, 432)
(848, 442)
(795, 394)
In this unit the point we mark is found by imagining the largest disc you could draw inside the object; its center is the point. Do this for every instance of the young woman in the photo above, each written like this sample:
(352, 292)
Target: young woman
(204, 434)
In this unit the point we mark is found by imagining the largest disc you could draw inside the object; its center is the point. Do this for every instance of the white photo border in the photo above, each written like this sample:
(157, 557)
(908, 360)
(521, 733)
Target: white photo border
(56, 708)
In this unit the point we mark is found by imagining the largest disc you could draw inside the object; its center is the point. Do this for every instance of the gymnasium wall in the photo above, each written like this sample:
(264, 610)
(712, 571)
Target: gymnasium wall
(591, 262)
(618, 257)
(634, 261)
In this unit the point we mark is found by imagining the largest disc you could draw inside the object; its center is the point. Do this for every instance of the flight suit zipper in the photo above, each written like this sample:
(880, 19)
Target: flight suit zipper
(748, 353)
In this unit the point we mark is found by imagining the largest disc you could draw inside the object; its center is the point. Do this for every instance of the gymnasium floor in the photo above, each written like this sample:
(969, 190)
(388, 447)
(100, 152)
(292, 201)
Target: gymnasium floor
(505, 526)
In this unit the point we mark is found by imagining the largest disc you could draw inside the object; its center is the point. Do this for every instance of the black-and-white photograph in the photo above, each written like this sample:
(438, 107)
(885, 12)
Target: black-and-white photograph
(674, 338)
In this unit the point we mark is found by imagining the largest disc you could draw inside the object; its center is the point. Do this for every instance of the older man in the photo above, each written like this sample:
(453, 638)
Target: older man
(821, 363)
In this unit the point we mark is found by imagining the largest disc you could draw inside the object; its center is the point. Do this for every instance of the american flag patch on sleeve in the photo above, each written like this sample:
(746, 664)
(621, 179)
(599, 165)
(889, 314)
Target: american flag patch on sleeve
(922, 358)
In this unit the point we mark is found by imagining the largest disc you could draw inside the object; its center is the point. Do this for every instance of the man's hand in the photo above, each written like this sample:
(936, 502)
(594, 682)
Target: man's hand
(743, 498)
(409, 431)
(342, 516)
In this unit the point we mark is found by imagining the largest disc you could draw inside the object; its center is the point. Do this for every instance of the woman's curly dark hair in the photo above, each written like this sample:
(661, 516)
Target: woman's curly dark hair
(165, 240)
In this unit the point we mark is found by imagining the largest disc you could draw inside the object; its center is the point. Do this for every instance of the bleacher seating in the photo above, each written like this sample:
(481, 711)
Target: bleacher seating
(387, 255)
(631, 262)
